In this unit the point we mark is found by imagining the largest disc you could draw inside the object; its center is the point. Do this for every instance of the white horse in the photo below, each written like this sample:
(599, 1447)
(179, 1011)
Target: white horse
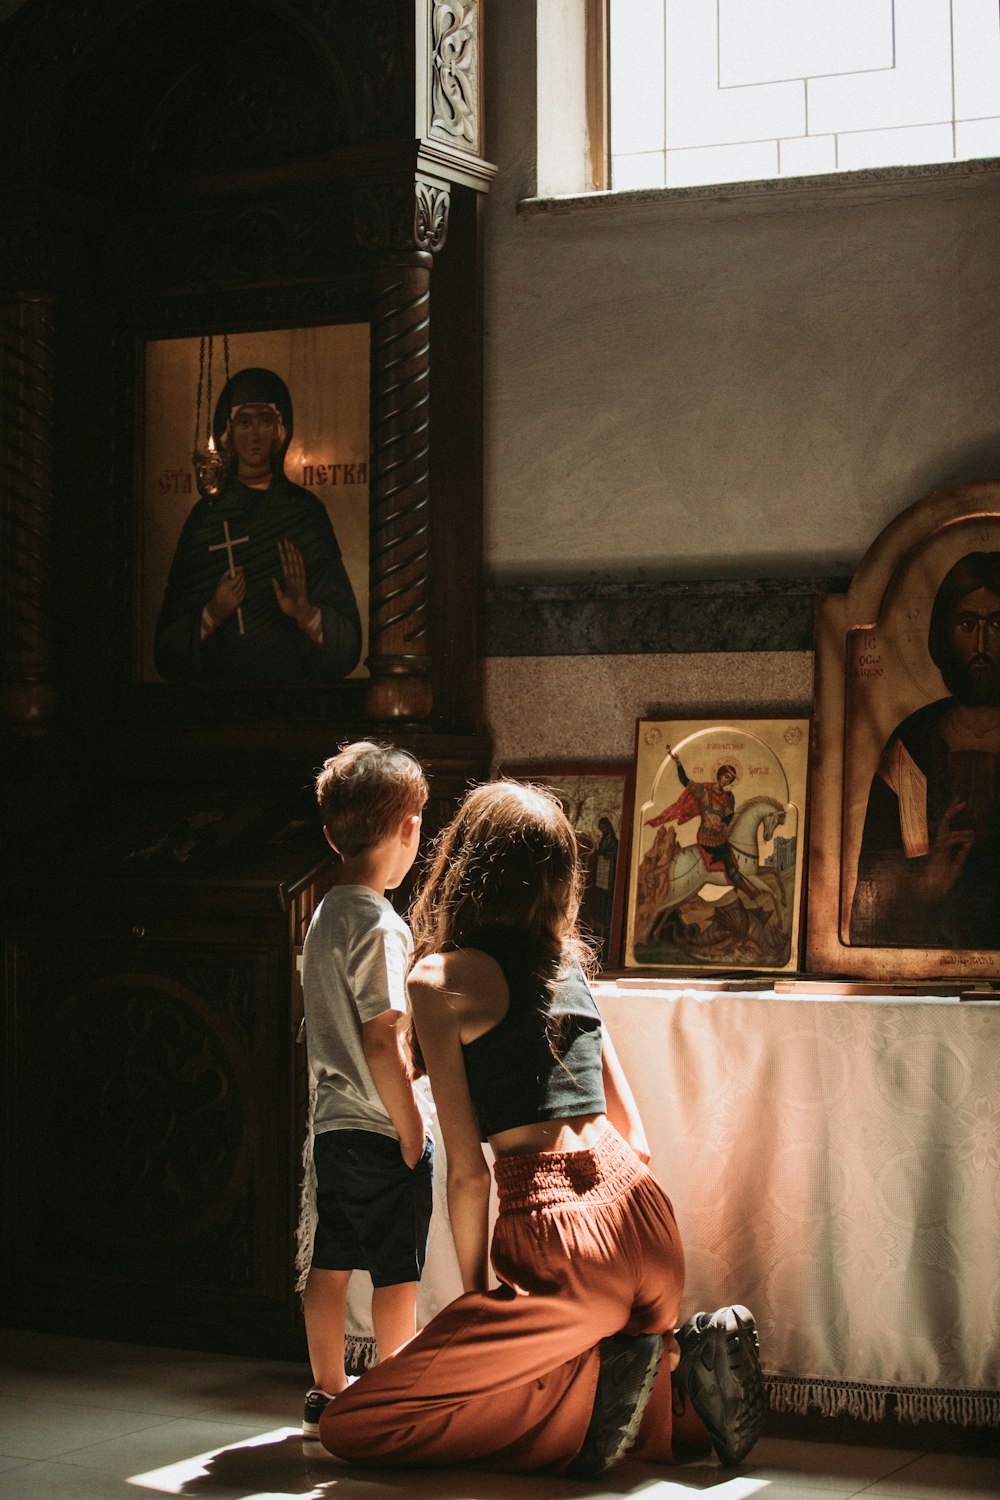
(687, 871)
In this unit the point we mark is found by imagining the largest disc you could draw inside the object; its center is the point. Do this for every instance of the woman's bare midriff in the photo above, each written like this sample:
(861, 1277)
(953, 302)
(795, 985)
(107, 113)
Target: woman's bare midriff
(576, 1134)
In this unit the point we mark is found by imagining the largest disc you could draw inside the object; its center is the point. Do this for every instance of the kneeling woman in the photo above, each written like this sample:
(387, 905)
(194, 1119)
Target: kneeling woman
(559, 1367)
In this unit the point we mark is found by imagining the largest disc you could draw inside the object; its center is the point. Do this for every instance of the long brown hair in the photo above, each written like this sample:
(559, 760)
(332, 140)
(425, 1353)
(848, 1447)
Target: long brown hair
(509, 858)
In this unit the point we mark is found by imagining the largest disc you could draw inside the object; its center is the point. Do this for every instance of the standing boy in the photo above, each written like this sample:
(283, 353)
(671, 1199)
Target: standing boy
(372, 1153)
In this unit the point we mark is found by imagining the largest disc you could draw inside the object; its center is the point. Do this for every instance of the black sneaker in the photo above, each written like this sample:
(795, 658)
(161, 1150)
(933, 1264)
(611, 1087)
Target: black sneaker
(719, 1370)
(629, 1363)
(316, 1403)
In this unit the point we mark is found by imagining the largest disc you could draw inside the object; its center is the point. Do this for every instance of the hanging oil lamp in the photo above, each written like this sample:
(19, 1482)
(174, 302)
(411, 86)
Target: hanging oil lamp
(211, 466)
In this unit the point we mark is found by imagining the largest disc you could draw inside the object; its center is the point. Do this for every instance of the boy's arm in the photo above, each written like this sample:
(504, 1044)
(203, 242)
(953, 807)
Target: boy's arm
(386, 1056)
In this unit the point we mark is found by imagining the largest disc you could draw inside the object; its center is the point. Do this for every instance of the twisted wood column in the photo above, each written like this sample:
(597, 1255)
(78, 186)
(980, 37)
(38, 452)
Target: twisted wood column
(403, 224)
(399, 555)
(27, 379)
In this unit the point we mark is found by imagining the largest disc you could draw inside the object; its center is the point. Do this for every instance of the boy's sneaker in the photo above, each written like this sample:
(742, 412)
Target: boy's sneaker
(629, 1363)
(315, 1404)
(719, 1370)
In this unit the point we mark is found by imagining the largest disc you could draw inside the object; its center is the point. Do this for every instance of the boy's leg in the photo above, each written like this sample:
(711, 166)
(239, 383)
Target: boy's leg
(394, 1316)
(324, 1304)
(392, 1225)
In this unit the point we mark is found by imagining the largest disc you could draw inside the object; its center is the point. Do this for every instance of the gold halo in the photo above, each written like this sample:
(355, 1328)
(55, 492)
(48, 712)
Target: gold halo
(737, 778)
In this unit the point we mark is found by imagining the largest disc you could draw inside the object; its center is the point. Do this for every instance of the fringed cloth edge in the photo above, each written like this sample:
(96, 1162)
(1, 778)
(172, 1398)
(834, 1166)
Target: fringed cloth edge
(870, 1403)
(360, 1353)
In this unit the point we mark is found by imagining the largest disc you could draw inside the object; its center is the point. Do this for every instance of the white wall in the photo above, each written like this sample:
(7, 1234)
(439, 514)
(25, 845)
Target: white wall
(725, 386)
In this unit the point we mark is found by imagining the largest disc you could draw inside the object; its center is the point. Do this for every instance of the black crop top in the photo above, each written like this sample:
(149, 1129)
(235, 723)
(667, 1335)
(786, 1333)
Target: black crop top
(513, 1077)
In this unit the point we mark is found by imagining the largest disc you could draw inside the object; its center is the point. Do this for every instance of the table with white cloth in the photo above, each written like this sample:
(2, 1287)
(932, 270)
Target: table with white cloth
(834, 1164)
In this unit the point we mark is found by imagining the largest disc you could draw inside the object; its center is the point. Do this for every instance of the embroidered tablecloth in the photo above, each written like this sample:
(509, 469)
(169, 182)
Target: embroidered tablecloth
(835, 1165)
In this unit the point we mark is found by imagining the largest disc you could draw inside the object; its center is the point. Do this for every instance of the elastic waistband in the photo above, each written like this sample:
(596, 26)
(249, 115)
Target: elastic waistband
(595, 1175)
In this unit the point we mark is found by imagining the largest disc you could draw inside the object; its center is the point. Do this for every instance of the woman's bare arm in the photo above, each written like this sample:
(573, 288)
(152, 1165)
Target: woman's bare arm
(436, 1009)
(622, 1110)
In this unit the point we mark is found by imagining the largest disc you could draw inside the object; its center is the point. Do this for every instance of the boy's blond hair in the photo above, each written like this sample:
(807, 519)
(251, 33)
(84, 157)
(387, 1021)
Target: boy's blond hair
(365, 792)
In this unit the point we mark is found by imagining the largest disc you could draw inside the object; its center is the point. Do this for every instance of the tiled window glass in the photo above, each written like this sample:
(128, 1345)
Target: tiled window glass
(712, 91)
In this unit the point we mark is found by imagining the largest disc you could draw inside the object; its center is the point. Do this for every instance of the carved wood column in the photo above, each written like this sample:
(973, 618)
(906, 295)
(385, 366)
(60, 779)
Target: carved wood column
(404, 225)
(27, 380)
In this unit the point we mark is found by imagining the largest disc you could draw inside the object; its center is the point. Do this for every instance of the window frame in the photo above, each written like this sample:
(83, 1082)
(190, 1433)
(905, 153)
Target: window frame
(598, 107)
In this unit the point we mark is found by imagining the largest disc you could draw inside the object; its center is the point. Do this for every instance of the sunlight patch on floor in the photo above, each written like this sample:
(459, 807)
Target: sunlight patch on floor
(175, 1479)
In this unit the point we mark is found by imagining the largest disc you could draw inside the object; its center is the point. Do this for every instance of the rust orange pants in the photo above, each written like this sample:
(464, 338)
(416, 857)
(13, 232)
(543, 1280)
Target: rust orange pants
(585, 1245)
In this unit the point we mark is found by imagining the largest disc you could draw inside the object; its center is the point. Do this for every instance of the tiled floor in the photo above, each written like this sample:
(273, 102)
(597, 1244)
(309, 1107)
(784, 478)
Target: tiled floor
(81, 1420)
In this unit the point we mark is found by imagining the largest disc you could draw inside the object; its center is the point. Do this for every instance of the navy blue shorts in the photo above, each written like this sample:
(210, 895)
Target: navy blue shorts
(373, 1211)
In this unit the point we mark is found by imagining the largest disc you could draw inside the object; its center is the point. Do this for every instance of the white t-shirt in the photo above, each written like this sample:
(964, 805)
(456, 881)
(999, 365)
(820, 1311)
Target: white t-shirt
(354, 964)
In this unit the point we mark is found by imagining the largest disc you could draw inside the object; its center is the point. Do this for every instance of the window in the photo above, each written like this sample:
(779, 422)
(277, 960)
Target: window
(714, 91)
